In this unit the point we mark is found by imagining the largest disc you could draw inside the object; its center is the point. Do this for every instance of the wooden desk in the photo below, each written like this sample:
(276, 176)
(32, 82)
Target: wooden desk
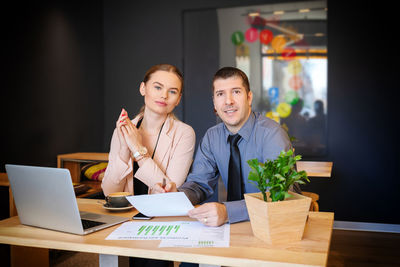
(244, 250)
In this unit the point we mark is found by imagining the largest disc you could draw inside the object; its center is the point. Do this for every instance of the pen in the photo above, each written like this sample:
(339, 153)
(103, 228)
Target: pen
(163, 182)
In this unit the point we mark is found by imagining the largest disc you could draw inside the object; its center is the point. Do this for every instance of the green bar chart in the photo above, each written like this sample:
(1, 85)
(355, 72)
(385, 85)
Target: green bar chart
(174, 234)
(158, 230)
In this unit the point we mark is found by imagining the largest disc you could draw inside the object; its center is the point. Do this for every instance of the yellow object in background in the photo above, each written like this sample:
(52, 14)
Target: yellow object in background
(295, 67)
(95, 171)
(273, 115)
(284, 109)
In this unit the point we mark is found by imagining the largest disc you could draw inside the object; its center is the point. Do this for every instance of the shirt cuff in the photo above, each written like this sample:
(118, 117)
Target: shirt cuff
(237, 211)
(193, 192)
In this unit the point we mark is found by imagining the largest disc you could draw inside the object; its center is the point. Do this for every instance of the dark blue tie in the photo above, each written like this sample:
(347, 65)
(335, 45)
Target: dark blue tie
(235, 181)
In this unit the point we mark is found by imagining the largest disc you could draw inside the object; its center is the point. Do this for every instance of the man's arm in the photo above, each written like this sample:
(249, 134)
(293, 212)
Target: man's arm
(236, 211)
(281, 142)
(274, 142)
(203, 178)
(210, 214)
(200, 186)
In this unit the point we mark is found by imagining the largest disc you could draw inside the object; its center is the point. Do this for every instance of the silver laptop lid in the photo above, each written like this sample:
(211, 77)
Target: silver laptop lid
(45, 197)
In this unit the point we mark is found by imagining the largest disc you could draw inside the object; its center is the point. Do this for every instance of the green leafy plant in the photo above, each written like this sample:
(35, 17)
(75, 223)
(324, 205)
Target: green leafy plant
(276, 175)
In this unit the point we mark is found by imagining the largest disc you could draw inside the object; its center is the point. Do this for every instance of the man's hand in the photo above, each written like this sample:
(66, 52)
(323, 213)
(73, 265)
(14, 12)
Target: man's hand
(210, 214)
(159, 188)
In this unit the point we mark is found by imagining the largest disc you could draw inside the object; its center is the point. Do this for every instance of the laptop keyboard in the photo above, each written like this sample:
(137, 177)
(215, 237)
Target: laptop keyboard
(89, 224)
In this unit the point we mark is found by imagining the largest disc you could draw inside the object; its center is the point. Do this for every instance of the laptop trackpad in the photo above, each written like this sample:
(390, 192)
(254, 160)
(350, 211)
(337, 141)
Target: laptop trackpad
(89, 215)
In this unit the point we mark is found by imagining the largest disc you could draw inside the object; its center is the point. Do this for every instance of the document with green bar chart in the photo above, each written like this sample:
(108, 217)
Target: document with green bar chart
(174, 234)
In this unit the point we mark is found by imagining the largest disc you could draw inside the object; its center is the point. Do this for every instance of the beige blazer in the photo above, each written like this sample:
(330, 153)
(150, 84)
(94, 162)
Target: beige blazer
(172, 159)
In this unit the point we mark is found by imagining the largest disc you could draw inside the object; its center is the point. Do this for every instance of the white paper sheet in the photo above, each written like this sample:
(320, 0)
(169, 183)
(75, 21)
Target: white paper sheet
(174, 234)
(168, 204)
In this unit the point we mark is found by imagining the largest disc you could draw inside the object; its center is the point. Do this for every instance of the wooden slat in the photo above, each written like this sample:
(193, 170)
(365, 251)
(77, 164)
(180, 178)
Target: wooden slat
(74, 169)
(315, 168)
(315, 197)
(4, 179)
(4, 182)
(82, 156)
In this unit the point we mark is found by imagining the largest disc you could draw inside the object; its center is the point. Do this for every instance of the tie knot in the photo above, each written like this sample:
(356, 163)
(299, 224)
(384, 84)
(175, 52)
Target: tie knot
(234, 139)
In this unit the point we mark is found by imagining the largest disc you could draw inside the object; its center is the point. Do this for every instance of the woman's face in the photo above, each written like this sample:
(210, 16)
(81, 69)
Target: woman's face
(162, 92)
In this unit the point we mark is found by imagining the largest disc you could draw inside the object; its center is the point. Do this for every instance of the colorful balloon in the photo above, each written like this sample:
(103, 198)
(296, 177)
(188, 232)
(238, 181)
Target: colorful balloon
(273, 92)
(289, 53)
(295, 67)
(251, 35)
(237, 38)
(266, 36)
(284, 109)
(295, 82)
(278, 43)
(291, 97)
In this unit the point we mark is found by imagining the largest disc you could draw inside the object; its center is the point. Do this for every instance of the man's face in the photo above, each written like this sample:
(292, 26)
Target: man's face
(232, 102)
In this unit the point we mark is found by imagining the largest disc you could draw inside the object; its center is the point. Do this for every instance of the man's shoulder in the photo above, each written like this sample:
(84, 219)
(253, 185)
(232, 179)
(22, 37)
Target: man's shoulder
(270, 130)
(265, 123)
(214, 133)
(215, 130)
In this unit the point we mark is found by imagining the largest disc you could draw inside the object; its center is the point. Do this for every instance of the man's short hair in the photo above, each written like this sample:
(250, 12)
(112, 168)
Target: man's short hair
(228, 72)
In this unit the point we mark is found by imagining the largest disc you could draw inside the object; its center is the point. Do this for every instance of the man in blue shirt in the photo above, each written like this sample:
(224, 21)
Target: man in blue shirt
(261, 138)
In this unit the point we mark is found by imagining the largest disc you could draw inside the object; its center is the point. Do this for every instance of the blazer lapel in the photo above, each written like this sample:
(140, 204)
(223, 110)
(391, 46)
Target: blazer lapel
(164, 143)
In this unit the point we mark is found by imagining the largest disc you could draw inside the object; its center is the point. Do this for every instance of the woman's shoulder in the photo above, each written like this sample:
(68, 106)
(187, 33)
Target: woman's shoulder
(178, 126)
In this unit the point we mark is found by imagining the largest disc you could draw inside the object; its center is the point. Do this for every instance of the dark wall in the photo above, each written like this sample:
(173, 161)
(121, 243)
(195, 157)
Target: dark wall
(52, 91)
(362, 119)
(52, 85)
(201, 56)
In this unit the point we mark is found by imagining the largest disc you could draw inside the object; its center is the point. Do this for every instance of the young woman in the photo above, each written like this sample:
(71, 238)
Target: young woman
(155, 145)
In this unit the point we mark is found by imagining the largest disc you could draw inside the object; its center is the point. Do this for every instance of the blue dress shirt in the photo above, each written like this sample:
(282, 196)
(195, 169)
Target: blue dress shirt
(262, 138)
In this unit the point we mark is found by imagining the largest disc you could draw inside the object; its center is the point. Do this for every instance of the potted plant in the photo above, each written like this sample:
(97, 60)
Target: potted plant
(277, 215)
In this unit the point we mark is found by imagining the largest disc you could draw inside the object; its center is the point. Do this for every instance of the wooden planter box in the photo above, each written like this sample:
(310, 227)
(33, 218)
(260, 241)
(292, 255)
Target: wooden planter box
(278, 222)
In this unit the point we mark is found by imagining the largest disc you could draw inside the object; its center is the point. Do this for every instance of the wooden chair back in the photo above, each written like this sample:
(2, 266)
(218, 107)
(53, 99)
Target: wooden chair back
(315, 169)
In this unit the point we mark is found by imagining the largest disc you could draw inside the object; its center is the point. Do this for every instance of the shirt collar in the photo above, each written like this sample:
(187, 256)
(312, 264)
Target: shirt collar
(246, 129)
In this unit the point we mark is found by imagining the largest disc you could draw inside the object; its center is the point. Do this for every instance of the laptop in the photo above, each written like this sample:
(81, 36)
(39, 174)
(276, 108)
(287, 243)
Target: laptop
(45, 198)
